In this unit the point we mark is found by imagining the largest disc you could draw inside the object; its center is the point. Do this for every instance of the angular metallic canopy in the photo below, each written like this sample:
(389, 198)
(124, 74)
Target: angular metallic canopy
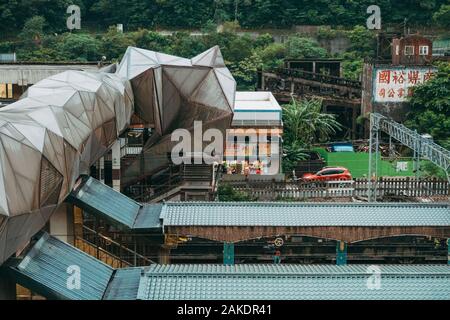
(64, 123)
(61, 126)
(172, 92)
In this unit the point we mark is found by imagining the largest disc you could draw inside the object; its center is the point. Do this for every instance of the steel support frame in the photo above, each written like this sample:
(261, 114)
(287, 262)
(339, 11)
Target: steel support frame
(374, 147)
(228, 253)
(341, 253)
(422, 147)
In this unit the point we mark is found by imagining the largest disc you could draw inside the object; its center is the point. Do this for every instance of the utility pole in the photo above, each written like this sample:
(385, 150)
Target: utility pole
(374, 144)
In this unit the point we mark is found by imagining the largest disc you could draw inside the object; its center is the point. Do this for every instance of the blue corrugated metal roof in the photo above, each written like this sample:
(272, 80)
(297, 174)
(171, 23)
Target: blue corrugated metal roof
(98, 198)
(303, 214)
(124, 284)
(148, 217)
(94, 196)
(291, 282)
(45, 270)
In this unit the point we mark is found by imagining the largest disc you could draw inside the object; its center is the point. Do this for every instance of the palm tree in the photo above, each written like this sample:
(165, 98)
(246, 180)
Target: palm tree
(305, 122)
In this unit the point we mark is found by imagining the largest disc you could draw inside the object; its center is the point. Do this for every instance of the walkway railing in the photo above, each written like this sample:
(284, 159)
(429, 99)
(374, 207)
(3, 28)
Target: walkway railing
(407, 186)
(109, 251)
(319, 77)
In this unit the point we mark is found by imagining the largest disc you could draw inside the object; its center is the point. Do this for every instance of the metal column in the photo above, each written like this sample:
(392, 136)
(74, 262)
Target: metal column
(373, 159)
(341, 253)
(228, 253)
(116, 165)
(448, 251)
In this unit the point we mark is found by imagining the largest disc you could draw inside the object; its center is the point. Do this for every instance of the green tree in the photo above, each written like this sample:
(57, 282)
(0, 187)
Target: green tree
(79, 47)
(293, 152)
(362, 41)
(442, 16)
(304, 124)
(33, 32)
(362, 45)
(239, 48)
(245, 72)
(115, 43)
(430, 107)
(271, 56)
(304, 121)
(299, 47)
(184, 45)
(151, 40)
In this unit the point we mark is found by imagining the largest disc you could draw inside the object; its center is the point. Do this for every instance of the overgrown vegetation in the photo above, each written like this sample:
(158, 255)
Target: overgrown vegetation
(430, 113)
(36, 29)
(225, 192)
(430, 107)
(244, 55)
(304, 125)
(134, 14)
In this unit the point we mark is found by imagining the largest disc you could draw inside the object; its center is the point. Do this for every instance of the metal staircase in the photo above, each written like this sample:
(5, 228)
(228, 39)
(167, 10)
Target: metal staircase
(422, 147)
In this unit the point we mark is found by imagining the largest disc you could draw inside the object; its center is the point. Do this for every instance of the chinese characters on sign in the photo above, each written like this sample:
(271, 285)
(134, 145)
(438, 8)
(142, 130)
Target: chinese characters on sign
(396, 85)
(402, 166)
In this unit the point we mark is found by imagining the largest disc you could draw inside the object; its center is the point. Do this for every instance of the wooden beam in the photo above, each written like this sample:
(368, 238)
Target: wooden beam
(341, 233)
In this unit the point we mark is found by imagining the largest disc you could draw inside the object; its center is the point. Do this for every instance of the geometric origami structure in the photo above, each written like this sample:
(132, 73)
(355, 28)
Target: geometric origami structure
(59, 128)
(172, 92)
(64, 123)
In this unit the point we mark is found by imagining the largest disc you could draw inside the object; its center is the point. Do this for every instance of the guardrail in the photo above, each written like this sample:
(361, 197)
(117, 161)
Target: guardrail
(297, 73)
(106, 249)
(410, 187)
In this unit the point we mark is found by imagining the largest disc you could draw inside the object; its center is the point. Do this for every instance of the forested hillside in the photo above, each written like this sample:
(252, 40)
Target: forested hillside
(36, 29)
(196, 14)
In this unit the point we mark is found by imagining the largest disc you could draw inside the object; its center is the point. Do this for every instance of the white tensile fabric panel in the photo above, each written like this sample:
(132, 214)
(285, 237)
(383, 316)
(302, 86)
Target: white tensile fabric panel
(46, 118)
(171, 104)
(185, 79)
(61, 119)
(4, 209)
(210, 93)
(64, 123)
(205, 58)
(210, 58)
(227, 83)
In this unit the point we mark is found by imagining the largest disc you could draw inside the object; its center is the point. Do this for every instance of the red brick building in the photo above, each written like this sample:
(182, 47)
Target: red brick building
(412, 50)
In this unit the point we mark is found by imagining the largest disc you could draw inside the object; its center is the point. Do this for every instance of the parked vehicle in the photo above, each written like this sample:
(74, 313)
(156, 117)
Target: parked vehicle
(313, 162)
(341, 147)
(329, 174)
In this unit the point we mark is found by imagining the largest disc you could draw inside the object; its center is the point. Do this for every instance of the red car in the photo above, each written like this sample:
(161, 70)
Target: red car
(329, 174)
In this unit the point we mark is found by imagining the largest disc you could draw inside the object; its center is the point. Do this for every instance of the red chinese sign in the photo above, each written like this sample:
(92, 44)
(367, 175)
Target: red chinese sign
(396, 85)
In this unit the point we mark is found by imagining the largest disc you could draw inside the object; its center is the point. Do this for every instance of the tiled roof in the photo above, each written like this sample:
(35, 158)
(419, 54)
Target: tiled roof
(44, 270)
(98, 198)
(291, 282)
(303, 214)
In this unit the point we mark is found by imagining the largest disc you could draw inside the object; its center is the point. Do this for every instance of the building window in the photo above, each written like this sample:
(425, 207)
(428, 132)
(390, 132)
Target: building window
(423, 50)
(409, 50)
(6, 91)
